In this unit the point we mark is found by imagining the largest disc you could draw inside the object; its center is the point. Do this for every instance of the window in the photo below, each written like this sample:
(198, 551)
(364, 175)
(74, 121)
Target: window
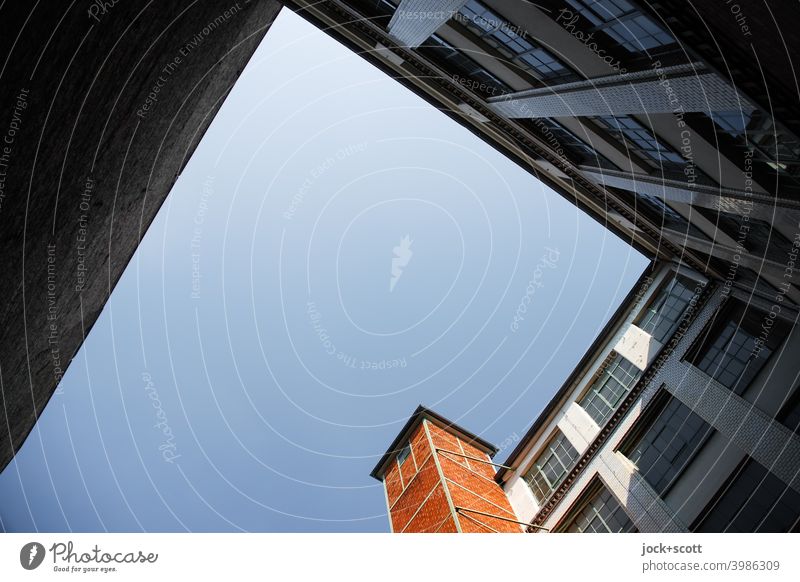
(752, 500)
(559, 136)
(670, 218)
(403, 454)
(598, 512)
(625, 24)
(512, 42)
(377, 11)
(734, 348)
(664, 313)
(551, 467)
(608, 390)
(666, 440)
(640, 139)
(453, 59)
(757, 236)
(741, 275)
(756, 131)
(652, 208)
(789, 415)
(734, 123)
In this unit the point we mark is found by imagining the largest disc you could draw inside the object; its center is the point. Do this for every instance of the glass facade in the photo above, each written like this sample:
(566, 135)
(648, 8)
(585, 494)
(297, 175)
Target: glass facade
(513, 43)
(610, 387)
(752, 500)
(663, 315)
(619, 19)
(551, 467)
(600, 513)
(668, 442)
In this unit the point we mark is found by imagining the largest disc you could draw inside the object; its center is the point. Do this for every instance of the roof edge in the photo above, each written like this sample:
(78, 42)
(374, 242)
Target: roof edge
(652, 268)
(420, 414)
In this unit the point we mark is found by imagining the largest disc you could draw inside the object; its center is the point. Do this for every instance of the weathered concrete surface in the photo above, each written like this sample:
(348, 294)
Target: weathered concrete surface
(86, 160)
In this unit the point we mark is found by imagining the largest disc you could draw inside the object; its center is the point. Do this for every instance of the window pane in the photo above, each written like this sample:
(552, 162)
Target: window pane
(668, 445)
(455, 61)
(551, 467)
(506, 37)
(601, 514)
(608, 390)
(664, 313)
(756, 131)
(560, 137)
(633, 30)
(729, 357)
(789, 414)
(753, 500)
(640, 139)
(403, 454)
(734, 123)
(755, 235)
(738, 345)
(654, 208)
(599, 11)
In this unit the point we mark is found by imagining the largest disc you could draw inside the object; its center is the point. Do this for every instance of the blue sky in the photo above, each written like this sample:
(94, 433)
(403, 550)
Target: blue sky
(255, 359)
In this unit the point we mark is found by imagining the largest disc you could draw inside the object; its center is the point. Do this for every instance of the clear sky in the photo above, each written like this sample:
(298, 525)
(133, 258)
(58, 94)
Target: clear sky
(336, 252)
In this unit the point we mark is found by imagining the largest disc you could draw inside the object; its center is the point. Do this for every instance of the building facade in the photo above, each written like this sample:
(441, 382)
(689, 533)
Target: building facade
(674, 125)
(684, 415)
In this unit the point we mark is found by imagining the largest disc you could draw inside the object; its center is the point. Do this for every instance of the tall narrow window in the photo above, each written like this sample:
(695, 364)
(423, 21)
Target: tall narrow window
(789, 414)
(513, 43)
(560, 137)
(657, 210)
(759, 237)
(640, 139)
(551, 467)
(738, 344)
(610, 387)
(620, 20)
(598, 512)
(756, 132)
(403, 454)
(663, 315)
(665, 442)
(752, 500)
(455, 61)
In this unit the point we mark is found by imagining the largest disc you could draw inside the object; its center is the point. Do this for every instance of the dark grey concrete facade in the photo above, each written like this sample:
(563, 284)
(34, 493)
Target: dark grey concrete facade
(101, 106)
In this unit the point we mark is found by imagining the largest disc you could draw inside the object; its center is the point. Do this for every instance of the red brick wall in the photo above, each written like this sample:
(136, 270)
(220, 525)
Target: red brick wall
(415, 494)
(418, 493)
(391, 481)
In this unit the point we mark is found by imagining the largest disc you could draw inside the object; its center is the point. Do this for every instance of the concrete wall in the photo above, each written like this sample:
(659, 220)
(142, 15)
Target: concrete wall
(100, 108)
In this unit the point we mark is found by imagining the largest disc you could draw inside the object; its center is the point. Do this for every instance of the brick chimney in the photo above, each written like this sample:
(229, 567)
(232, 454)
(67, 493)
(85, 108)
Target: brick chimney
(439, 478)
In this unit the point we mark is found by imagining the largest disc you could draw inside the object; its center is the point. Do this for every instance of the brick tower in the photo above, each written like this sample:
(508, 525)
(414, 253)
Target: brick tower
(439, 478)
